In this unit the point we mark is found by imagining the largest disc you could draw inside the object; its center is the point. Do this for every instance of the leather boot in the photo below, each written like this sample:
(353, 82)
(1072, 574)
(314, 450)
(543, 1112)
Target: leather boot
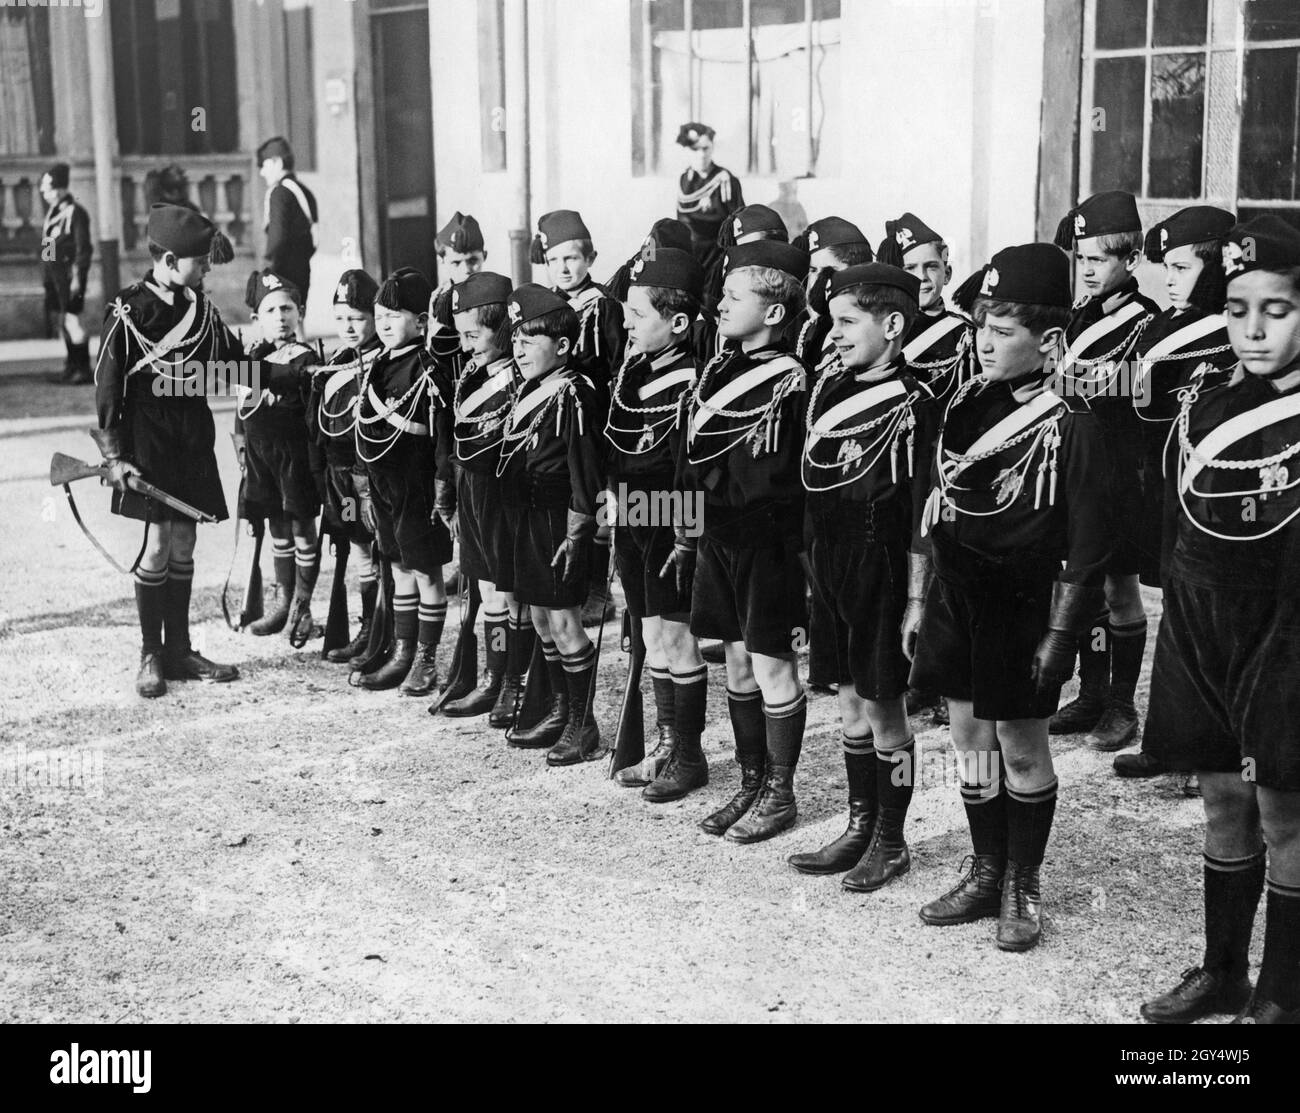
(842, 853)
(1117, 728)
(650, 766)
(774, 810)
(149, 681)
(547, 731)
(192, 666)
(685, 770)
(79, 372)
(357, 646)
(394, 672)
(503, 711)
(1020, 919)
(1080, 714)
(581, 738)
(887, 856)
(1259, 1011)
(752, 769)
(422, 679)
(976, 896)
(1200, 993)
(1140, 764)
(519, 649)
(276, 616)
(299, 622)
(496, 639)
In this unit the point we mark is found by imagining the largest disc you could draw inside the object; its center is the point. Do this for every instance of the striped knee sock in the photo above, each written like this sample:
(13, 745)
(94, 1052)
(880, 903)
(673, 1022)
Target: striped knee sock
(150, 605)
(1279, 972)
(406, 614)
(1232, 891)
(785, 725)
(690, 696)
(1029, 822)
(176, 615)
(432, 618)
(306, 569)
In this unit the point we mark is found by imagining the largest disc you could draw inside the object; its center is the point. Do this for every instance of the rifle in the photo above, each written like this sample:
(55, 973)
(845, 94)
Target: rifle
(336, 621)
(462, 678)
(629, 739)
(68, 469)
(380, 646)
(298, 637)
(530, 704)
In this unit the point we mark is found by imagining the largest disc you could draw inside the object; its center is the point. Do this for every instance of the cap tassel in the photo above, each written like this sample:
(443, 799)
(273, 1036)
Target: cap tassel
(221, 250)
(964, 296)
(536, 253)
(1064, 238)
(889, 251)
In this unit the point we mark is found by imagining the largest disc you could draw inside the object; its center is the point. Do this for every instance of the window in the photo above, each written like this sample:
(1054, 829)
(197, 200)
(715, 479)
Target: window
(1145, 65)
(171, 59)
(764, 73)
(1270, 113)
(27, 92)
(300, 93)
(492, 83)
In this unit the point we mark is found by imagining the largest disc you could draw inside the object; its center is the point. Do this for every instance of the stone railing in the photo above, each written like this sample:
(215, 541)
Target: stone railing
(21, 209)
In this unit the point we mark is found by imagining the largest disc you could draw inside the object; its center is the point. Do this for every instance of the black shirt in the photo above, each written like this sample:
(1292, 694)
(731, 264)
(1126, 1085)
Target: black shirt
(644, 426)
(404, 416)
(332, 405)
(483, 397)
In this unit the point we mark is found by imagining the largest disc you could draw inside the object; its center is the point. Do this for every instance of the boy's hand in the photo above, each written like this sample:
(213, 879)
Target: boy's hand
(1053, 662)
(1073, 607)
(119, 471)
(361, 484)
(241, 451)
(919, 572)
(580, 528)
(682, 560)
(912, 626)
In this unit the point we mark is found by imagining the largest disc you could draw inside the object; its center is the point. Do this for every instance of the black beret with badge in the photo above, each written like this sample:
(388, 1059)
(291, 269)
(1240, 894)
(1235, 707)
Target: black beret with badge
(405, 289)
(481, 288)
(555, 228)
(1194, 224)
(753, 220)
(773, 254)
(261, 284)
(671, 269)
(530, 301)
(901, 236)
(688, 135)
(1029, 274)
(184, 232)
(461, 233)
(1265, 243)
(830, 231)
(356, 289)
(874, 274)
(666, 232)
(1109, 213)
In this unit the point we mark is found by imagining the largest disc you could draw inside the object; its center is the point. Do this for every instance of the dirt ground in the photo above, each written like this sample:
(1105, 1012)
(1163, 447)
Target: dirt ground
(287, 848)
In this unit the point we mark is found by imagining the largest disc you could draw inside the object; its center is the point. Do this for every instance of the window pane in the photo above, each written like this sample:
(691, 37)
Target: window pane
(826, 9)
(1268, 125)
(764, 13)
(1177, 125)
(1272, 19)
(665, 15)
(1117, 124)
(1121, 23)
(710, 14)
(1250, 212)
(1179, 23)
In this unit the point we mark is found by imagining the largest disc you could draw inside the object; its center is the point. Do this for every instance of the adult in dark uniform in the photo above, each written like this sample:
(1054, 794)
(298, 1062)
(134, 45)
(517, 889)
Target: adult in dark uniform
(1224, 697)
(289, 215)
(1185, 345)
(66, 251)
(1105, 234)
(1020, 532)
(866, 467)
(707, 195)
(158, 333)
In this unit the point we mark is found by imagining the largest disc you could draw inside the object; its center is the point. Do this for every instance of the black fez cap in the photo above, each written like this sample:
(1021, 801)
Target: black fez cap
(1030, 274)
(875, 274)
(555, 228)
(263, 283)
(481, 288)
(1103, 214)
(690, 134)
(1265, 243)
(180, 230)
(1195, 224)
(767, 253)
(407, 289)
(356, 289)
(830, 231)
(671, 269)
(531, 301)
(903, 234)
(59, 175)
(462, 234)
(750, 220)
(665, 232)
(275, 147)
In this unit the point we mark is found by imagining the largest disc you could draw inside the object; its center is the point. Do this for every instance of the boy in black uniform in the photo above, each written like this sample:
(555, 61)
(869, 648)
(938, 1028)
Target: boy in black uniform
(707, 195)
(1187, 342)
(1224, 698)
(289, 216)
(271, 444)
(66, 251)
(484, 394)
(1020, 476)
(332, 415)
(407, 495)
(1105, 233)
(551, 457)
(832, 244)
(644, 431)
(866, 466)
(150, 426)
(742, 452)
(461, 252)
(938, 345)
(564, 245)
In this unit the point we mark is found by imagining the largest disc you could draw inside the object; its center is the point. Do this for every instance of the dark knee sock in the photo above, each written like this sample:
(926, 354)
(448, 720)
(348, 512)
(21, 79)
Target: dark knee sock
(1094, 657)
(985, 802)
(284, 561)
(554, 668)
(860, 765)
(690, 696)
(1279, 973)
(306, 570)
(176, 617)
(1232, 890)
(495, 640)
(406, 618)
(1128, 642)
(896, 776)
(431, 618)
(580, 678)
(151, 606)
(519, 647)
(785, 725)
(1029, 822)
(662, 682)
(747, 723)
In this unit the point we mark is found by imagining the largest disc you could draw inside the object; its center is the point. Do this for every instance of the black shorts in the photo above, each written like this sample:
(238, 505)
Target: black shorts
(863, 588)
(539, 532)
(753, 595)
(407, 532)
(58, 293)
(1225, 684)
(1123, 443)
(172, 442)
(639, 553)
(482, 516)
(979, 633)
(279, 481)
(342, 505)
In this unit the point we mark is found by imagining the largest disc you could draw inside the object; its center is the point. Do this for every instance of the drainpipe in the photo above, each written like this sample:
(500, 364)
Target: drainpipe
(518, 162)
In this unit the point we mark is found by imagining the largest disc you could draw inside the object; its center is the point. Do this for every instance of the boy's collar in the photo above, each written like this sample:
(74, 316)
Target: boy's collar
(404, 349)
(1118, 296)
(880, 371)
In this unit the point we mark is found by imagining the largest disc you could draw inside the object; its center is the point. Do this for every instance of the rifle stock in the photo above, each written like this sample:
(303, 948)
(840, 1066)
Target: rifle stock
(68, 469)
(380, 646)
(462, 677)
(629, 739)
(336, 622)
(250, 607)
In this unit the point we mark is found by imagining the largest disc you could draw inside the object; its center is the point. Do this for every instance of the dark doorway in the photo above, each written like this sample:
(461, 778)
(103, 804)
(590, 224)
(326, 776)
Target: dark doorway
(399, 36)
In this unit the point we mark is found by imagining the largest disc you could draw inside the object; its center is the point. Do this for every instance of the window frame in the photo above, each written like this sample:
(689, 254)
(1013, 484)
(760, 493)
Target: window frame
(1245, 46)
